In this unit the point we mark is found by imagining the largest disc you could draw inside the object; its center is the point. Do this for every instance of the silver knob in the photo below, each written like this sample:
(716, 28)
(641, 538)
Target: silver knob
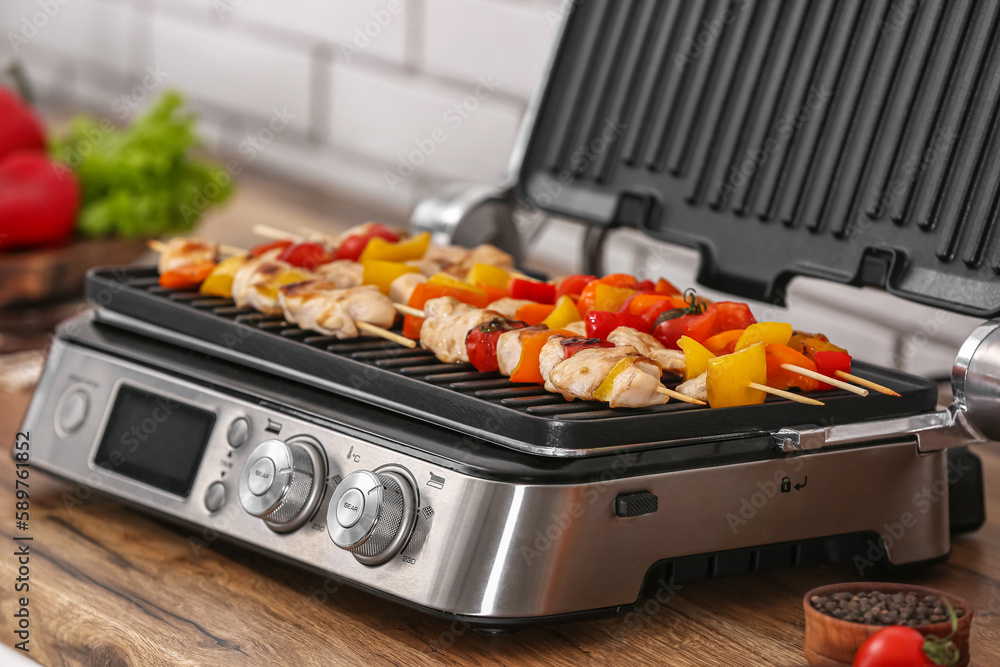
(372, 515)
(281, 482)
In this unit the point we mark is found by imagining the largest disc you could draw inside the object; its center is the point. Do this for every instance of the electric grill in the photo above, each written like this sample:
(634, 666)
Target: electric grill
(501, 505)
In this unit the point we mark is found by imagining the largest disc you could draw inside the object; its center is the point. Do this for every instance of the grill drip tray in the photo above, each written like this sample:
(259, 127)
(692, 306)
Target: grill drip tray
(484, 405)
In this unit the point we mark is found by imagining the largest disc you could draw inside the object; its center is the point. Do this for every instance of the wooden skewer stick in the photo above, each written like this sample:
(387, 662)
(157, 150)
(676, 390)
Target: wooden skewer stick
(825, 378)
(274, 233)
(156, 245)
(407, 310)
(680, 397)
(785, 394)
(865, 383)
(385, 333)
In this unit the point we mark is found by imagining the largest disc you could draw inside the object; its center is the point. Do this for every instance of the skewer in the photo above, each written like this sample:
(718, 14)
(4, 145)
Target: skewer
(679, 396)
(274, 233)
(385, 333)
(407, 310)
(825, 378)
(865, 383)
(785, 394)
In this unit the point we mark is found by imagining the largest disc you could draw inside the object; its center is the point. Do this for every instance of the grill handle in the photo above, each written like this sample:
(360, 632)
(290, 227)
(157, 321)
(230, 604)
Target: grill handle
(975, 379)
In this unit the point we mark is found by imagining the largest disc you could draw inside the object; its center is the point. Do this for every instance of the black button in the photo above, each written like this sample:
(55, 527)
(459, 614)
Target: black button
(636, 504)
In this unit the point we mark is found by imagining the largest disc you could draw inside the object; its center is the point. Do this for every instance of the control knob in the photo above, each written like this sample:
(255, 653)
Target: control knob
(372, 514)
(282, 482)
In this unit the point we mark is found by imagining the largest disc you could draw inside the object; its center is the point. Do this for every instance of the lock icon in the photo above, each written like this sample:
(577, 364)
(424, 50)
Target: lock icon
(786, 485)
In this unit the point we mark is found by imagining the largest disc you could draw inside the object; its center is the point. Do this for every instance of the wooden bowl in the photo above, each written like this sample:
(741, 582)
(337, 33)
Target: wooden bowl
(831, 641)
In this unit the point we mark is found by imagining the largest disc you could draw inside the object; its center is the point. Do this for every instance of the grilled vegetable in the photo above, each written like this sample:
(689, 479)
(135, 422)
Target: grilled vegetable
(487, 274)
(564, 313)
(779, 378)
(482, 342)
(387, 246)
(382, 274)
(765, 332)
(519, 288)
(186, 277)
(828, 362)
(220, 281)
(306, 255)
(729, 377)
(696, 357)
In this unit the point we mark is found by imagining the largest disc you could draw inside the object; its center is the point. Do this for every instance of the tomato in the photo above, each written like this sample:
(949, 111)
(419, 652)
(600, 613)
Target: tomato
(600, 323)
(646, 286)
(634, 321)
(306, 255)
(668, 330)
(481, 342)
(352, 247)
(573, 285)
(731, 315)
(895, 646)
(704, 326)
(262, 248)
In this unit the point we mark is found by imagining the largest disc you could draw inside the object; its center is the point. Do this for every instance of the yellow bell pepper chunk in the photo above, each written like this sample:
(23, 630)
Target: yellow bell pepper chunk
(603, 391)
(379, 248)
(765, 332)
(696, 357)
(446, 280)
(220, 281)
(487, 274)
(610, 298)
(381, 274)
(269, 289)
(730, 375)
(565, 313)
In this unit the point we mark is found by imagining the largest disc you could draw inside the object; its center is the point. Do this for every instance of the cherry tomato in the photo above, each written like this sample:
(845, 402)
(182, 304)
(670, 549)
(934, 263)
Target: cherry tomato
(260, 249)
(306, 255)
(635, 321)
(895, 646)
(731, 315)
(704, 326)
(352, 247)
(670, 326)
(481, 342)
(600, 323)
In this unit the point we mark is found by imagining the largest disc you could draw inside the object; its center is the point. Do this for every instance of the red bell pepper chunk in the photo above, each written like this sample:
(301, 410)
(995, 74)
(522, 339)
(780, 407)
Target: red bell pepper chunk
(519, 288)
(828, 362)
(352, 247)
(573, 286)
(306, 255)
(600, 323)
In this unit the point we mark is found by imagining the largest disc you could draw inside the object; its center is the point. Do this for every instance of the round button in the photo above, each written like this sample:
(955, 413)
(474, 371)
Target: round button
(238, 431)
(72, 411)
(352, 504)
(261, 476)
(215, 497)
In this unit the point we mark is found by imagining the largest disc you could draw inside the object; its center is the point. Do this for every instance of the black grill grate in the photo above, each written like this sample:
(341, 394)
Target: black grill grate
(486, 405)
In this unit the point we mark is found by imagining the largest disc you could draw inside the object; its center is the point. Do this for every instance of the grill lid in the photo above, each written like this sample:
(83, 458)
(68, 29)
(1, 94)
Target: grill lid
(849, 141)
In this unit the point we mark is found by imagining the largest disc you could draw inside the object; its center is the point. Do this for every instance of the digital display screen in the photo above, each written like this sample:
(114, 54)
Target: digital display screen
(155, 440)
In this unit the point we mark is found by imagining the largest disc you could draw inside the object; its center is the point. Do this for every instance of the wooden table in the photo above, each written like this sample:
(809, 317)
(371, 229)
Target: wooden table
(111, 586)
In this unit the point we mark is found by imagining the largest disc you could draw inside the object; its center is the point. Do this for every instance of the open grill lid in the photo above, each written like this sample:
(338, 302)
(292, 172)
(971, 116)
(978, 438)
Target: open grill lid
(846, 140)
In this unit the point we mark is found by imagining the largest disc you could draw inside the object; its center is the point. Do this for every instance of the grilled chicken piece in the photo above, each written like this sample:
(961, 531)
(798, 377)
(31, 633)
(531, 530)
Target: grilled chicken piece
(447, 322)
(402, 287)
(343, 273)
(508, 307)
(258, 272)
(509, 348)
(444, 256)
(636, 386)
(648, 346)
(427, 267)
(484, 254)
(581, 374)
(552, 354)
(696, 387)
(319, 305)
(579, 328)
(180, 252)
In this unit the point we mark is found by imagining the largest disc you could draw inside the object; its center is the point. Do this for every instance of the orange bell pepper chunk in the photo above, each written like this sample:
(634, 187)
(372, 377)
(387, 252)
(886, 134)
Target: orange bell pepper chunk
(723, 343)
(424, 292)
(534, 313)
(188, 276)
(779, 378)
(528, 368)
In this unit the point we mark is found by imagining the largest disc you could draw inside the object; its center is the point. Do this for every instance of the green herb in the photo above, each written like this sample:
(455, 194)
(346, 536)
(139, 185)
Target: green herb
(141, 180)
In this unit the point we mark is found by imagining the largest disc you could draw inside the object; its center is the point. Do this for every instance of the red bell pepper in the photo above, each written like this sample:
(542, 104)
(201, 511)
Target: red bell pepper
(828, 362)
(646, 286)
(529, 290)
(20, 129)
(352, 247)
(573, 286)
(39, 200)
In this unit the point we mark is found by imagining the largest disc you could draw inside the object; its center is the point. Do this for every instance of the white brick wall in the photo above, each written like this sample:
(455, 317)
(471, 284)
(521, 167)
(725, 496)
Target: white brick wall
(365, 80)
